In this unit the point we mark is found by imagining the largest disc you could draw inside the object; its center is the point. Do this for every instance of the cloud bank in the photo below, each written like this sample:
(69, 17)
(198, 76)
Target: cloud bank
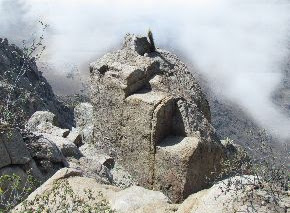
(239, 45)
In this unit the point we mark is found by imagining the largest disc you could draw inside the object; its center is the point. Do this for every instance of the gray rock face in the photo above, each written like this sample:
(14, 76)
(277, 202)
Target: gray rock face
(121, 177)
(45, 122)
(84, 115)
(75, 137)
(47, 155)
(106, 166)
(42, 148)
(137, 44)
(15, 157)
(90, 151)
(32, 169)
(135, 197)
(67, 148)
(4, 156)
(28, 89)
(226, 197)
(147, 105)
(131, 200)
(91, 167)
(12, 148)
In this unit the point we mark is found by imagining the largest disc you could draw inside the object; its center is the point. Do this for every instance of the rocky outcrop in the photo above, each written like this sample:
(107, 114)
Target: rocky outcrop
(45, 153)
(148, 124)
(228, 196)
(130, 200)
(48, 144)
(44, 123)
(151, 114)
(24, 90)
(92, 168)
(224, 197)
(53, 148)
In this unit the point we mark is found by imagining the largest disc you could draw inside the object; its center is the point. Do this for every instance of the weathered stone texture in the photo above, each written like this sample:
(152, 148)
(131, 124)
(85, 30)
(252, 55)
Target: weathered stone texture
(12, 148)
(84, 117)
(45, 122)
(146, 106)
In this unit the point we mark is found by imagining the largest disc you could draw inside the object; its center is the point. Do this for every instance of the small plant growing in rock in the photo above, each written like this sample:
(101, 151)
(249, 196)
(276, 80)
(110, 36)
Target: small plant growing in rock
(150, 36)
(62, 198)
(13, 190)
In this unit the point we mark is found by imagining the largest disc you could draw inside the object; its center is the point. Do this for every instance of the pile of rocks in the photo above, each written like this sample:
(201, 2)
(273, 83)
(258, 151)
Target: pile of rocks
(136, 199)
(15, 157)
(43, 148)
(148, 124)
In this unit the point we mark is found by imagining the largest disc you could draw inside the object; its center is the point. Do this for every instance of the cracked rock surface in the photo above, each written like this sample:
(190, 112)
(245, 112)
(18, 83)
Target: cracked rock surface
(145, 103)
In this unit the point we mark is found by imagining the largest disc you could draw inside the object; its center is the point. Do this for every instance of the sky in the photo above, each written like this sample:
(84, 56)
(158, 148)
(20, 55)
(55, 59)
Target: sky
(240, 46)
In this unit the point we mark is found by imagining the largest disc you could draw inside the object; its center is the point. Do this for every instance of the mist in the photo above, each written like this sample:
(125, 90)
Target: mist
(240, 46)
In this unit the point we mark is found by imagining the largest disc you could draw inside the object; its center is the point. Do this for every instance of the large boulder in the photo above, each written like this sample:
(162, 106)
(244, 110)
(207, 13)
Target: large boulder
(92, 168)
(45, 153)
(235, 194)
(67, 147)
(136, 197)
(146, 106)
(105, 164)
(84, 191)
(80, 189)
(45, 122)
(44, 125)
(16, 160)
(12, 147)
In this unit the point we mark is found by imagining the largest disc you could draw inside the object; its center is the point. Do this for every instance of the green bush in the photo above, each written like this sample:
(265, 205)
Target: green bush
(14, 190)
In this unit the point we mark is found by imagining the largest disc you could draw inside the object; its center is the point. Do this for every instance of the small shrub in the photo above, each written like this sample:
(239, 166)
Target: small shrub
(14, 190)
(267, 178)
(63, 199)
